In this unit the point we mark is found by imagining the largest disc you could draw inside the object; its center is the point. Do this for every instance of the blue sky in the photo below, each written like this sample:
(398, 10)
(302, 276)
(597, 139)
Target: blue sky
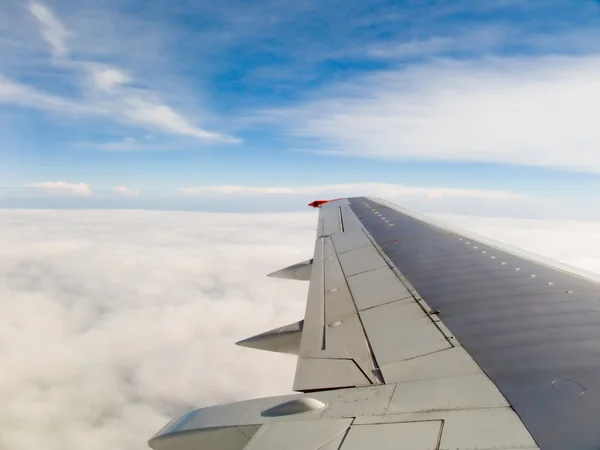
(151, 104)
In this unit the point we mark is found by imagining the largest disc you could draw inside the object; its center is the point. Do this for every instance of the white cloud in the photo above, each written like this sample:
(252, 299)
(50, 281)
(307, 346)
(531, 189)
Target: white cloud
(52, 29)
(111, 322)
(105, 90)
(246, 190)
(128, 107)
(23, 95)
(127, 192)
(415, 47)
(357, 189)
(471, 40)
(129, 144)
(534, 111)
(63, 187)
(108, 78)
(162, 117)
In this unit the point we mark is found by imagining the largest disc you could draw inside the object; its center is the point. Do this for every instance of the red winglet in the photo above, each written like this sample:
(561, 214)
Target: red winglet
(318, 203)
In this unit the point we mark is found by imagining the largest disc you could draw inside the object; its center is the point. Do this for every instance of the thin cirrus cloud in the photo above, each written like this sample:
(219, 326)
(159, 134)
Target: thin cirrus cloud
(357, 189)
(474, 40)
(63, 188)
(128, 144)
(53, 31)
(536, 111)
(107, 352)
(107, 91)
(147, 112)
(415, 47)
(28, 96)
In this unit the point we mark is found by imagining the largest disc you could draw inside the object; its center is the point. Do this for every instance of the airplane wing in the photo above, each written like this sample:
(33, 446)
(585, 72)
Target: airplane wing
(417, 336)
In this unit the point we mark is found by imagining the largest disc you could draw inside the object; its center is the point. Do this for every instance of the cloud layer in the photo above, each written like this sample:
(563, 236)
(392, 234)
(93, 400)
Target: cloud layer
(387, 190)
(240, 198)
(111, 322)
(63, 188)
(537, 111)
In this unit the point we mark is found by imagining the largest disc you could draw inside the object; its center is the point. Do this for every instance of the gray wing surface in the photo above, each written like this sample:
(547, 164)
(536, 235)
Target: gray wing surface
(419, 337)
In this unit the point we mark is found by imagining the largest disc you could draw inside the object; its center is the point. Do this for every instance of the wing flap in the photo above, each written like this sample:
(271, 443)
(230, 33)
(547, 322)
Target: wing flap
(298, 435)
(395, 436)
(451, 362)
(333, 330)
(468, 429)
(361, 260)
(377, 287)
(359, 310)
(313, 374)
(401, 330)
(314, 316)
(331, 219)
(448, 393)
(350, 240)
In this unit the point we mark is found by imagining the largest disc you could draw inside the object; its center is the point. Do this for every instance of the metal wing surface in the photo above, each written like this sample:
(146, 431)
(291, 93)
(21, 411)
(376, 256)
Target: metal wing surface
(417, 336)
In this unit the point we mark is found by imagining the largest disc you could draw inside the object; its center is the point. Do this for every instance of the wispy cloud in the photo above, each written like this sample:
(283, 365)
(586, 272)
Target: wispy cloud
(129, 144)
(23, 95)
(145, 111)
(108, 78)
(414, 47)
(63, 187)
(107, 91)
(53, 31)
(537, 111)
(473, 40)
(358, 189)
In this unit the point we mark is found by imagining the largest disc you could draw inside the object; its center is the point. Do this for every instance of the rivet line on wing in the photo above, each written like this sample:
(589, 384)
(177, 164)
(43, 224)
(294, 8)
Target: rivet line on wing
(504, 263)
